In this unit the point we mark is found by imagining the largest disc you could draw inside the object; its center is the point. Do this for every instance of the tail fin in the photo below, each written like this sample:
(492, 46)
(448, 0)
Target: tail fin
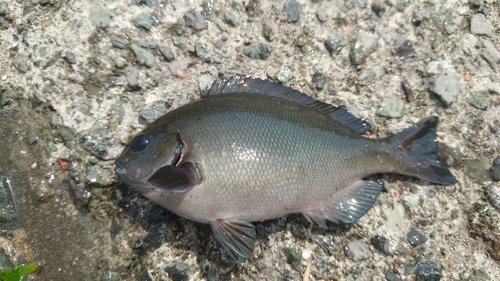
(420, 158)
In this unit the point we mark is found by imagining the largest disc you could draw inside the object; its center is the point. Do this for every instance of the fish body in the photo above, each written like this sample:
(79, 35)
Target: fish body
(252, 150)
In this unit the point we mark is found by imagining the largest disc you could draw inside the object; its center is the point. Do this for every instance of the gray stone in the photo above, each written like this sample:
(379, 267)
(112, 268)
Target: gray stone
(381, 244)
(292, 10)
(149, 3)
(493, 192)
(99, 16)
(21, 63)
(167, 53)
(480, 99)
(118, 42)
(293, 258)
(148, 43)
(142, 56)
(259, 51)
(370, 75)
(429, 270)
(205, 81)
(477, 169)
(490, 54)
(158, 76)
(132, 79)
(403, 48)
(195, 20)
(202, 51)
(53, 60)
(98, 142)
(476, 3)
(454, 23)
(120, 61)
(67, 133)
(145, 20)
(178, 272)
(389, 276)
(495, 170)
(362, 47)
(319, 80)
(282, 75)
(378, 8)
(446, 87)
(70, 57)
(335, 42)
(417, 17)
(415, 237)
(322, 16)
(391, 107)
(481, 26)
(152, 112)
(357, 251)
(268, 28)
(181, 65)
(230, 18)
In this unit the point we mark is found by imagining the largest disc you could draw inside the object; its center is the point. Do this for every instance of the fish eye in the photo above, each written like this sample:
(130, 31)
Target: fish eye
(140, 143)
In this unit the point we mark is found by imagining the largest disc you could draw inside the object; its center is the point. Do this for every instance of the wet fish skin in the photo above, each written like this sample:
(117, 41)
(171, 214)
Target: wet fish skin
(252, 150)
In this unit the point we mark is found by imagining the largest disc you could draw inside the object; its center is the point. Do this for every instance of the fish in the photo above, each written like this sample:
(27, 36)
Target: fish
(251, 150)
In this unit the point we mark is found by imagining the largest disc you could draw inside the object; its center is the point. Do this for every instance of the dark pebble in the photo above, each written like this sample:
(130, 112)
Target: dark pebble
(378, 8)
(417, 17)
(118, 42)
(178, 272)
(145, 277)
(429, 270)
(381, 244)
(259, 51)
(450, 156)
(389, 276)
(293, 258)
(195, 20)
(335, 42)
(67, 133)
(70, 57)
(407, 90)
(495, 170)
(415, 237)
(53, 60)
(319, 80)
(151, 113)
(147, 43)
(167, 53)
(267, 228)
(404, 49)
(144, 20)
(292, 10)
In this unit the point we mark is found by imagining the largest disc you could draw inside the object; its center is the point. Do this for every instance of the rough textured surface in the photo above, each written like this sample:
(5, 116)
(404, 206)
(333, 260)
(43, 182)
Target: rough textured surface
(79, 224)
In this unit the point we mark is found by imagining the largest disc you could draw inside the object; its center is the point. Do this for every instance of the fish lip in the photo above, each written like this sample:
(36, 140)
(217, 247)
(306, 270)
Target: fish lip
(120, 170)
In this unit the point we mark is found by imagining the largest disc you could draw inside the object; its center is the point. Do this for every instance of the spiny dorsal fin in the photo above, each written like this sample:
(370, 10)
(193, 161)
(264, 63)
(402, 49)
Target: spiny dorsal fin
(250, 85)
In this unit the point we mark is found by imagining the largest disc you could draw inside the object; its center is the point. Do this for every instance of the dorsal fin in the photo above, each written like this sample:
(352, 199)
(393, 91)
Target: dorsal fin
(250, 85)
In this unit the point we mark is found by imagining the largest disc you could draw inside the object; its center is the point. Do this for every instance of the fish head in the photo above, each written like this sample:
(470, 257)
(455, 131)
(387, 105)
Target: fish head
(145, 154)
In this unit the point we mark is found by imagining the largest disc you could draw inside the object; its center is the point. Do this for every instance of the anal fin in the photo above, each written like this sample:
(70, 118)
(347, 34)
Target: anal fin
(238, 238)
(349, 204)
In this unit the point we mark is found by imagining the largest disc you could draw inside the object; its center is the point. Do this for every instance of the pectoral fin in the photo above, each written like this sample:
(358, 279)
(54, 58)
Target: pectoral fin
(176, 179)
(348, 204)
(237, 237)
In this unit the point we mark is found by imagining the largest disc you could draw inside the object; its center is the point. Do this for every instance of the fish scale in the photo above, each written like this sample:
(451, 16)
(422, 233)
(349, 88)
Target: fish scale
(251, 150)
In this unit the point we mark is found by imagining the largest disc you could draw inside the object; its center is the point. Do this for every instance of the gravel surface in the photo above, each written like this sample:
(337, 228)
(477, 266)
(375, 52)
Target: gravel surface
(79, 78)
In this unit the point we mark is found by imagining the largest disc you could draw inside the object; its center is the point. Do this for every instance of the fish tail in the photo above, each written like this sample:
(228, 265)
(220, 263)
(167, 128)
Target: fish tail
(420, 153)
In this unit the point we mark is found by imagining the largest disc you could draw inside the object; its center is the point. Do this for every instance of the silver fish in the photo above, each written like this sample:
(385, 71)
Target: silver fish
(251, 150)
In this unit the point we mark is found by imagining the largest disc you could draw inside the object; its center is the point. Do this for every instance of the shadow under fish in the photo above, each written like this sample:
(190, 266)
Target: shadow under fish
(251, 150)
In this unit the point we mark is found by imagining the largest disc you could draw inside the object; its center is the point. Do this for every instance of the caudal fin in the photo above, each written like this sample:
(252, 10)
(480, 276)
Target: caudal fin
(420, 157)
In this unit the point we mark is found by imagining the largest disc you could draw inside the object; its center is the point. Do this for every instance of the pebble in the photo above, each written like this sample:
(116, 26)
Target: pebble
(454, 22)
(158, 76)
(493, 194)
(148, 43)
(415, 237)
(151, 113)
(132, 79)
(267, 228)
(149, 3)
(53, 60)
(21, 63)
(205, 81)
(403, 48)
(202, 51)
(118, 42)
(230, 18)
(481, 26)
(357, 251)
(70, 57)
(99, 16)
(292, 10)
(268, 28)
(259, 51)
(142, 56)
(417, 17)
(381, 244)
(293, 258)
(429, 270)
(145, 20)
(195, 20)
(391, 107)
(480, 100)
(495, 170)
(67, 133)
(450, 156)
(120, 61)
(370, 75)
(378, 8)
(98, 143)
(446, 87)
(322, 16)
(490, 54)
(362, 47)
(319, 80)
(477, 169)
(389, 276)
(335, 42)
(282, 75)
(179, 65)
(178, 272)
(167, 53)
